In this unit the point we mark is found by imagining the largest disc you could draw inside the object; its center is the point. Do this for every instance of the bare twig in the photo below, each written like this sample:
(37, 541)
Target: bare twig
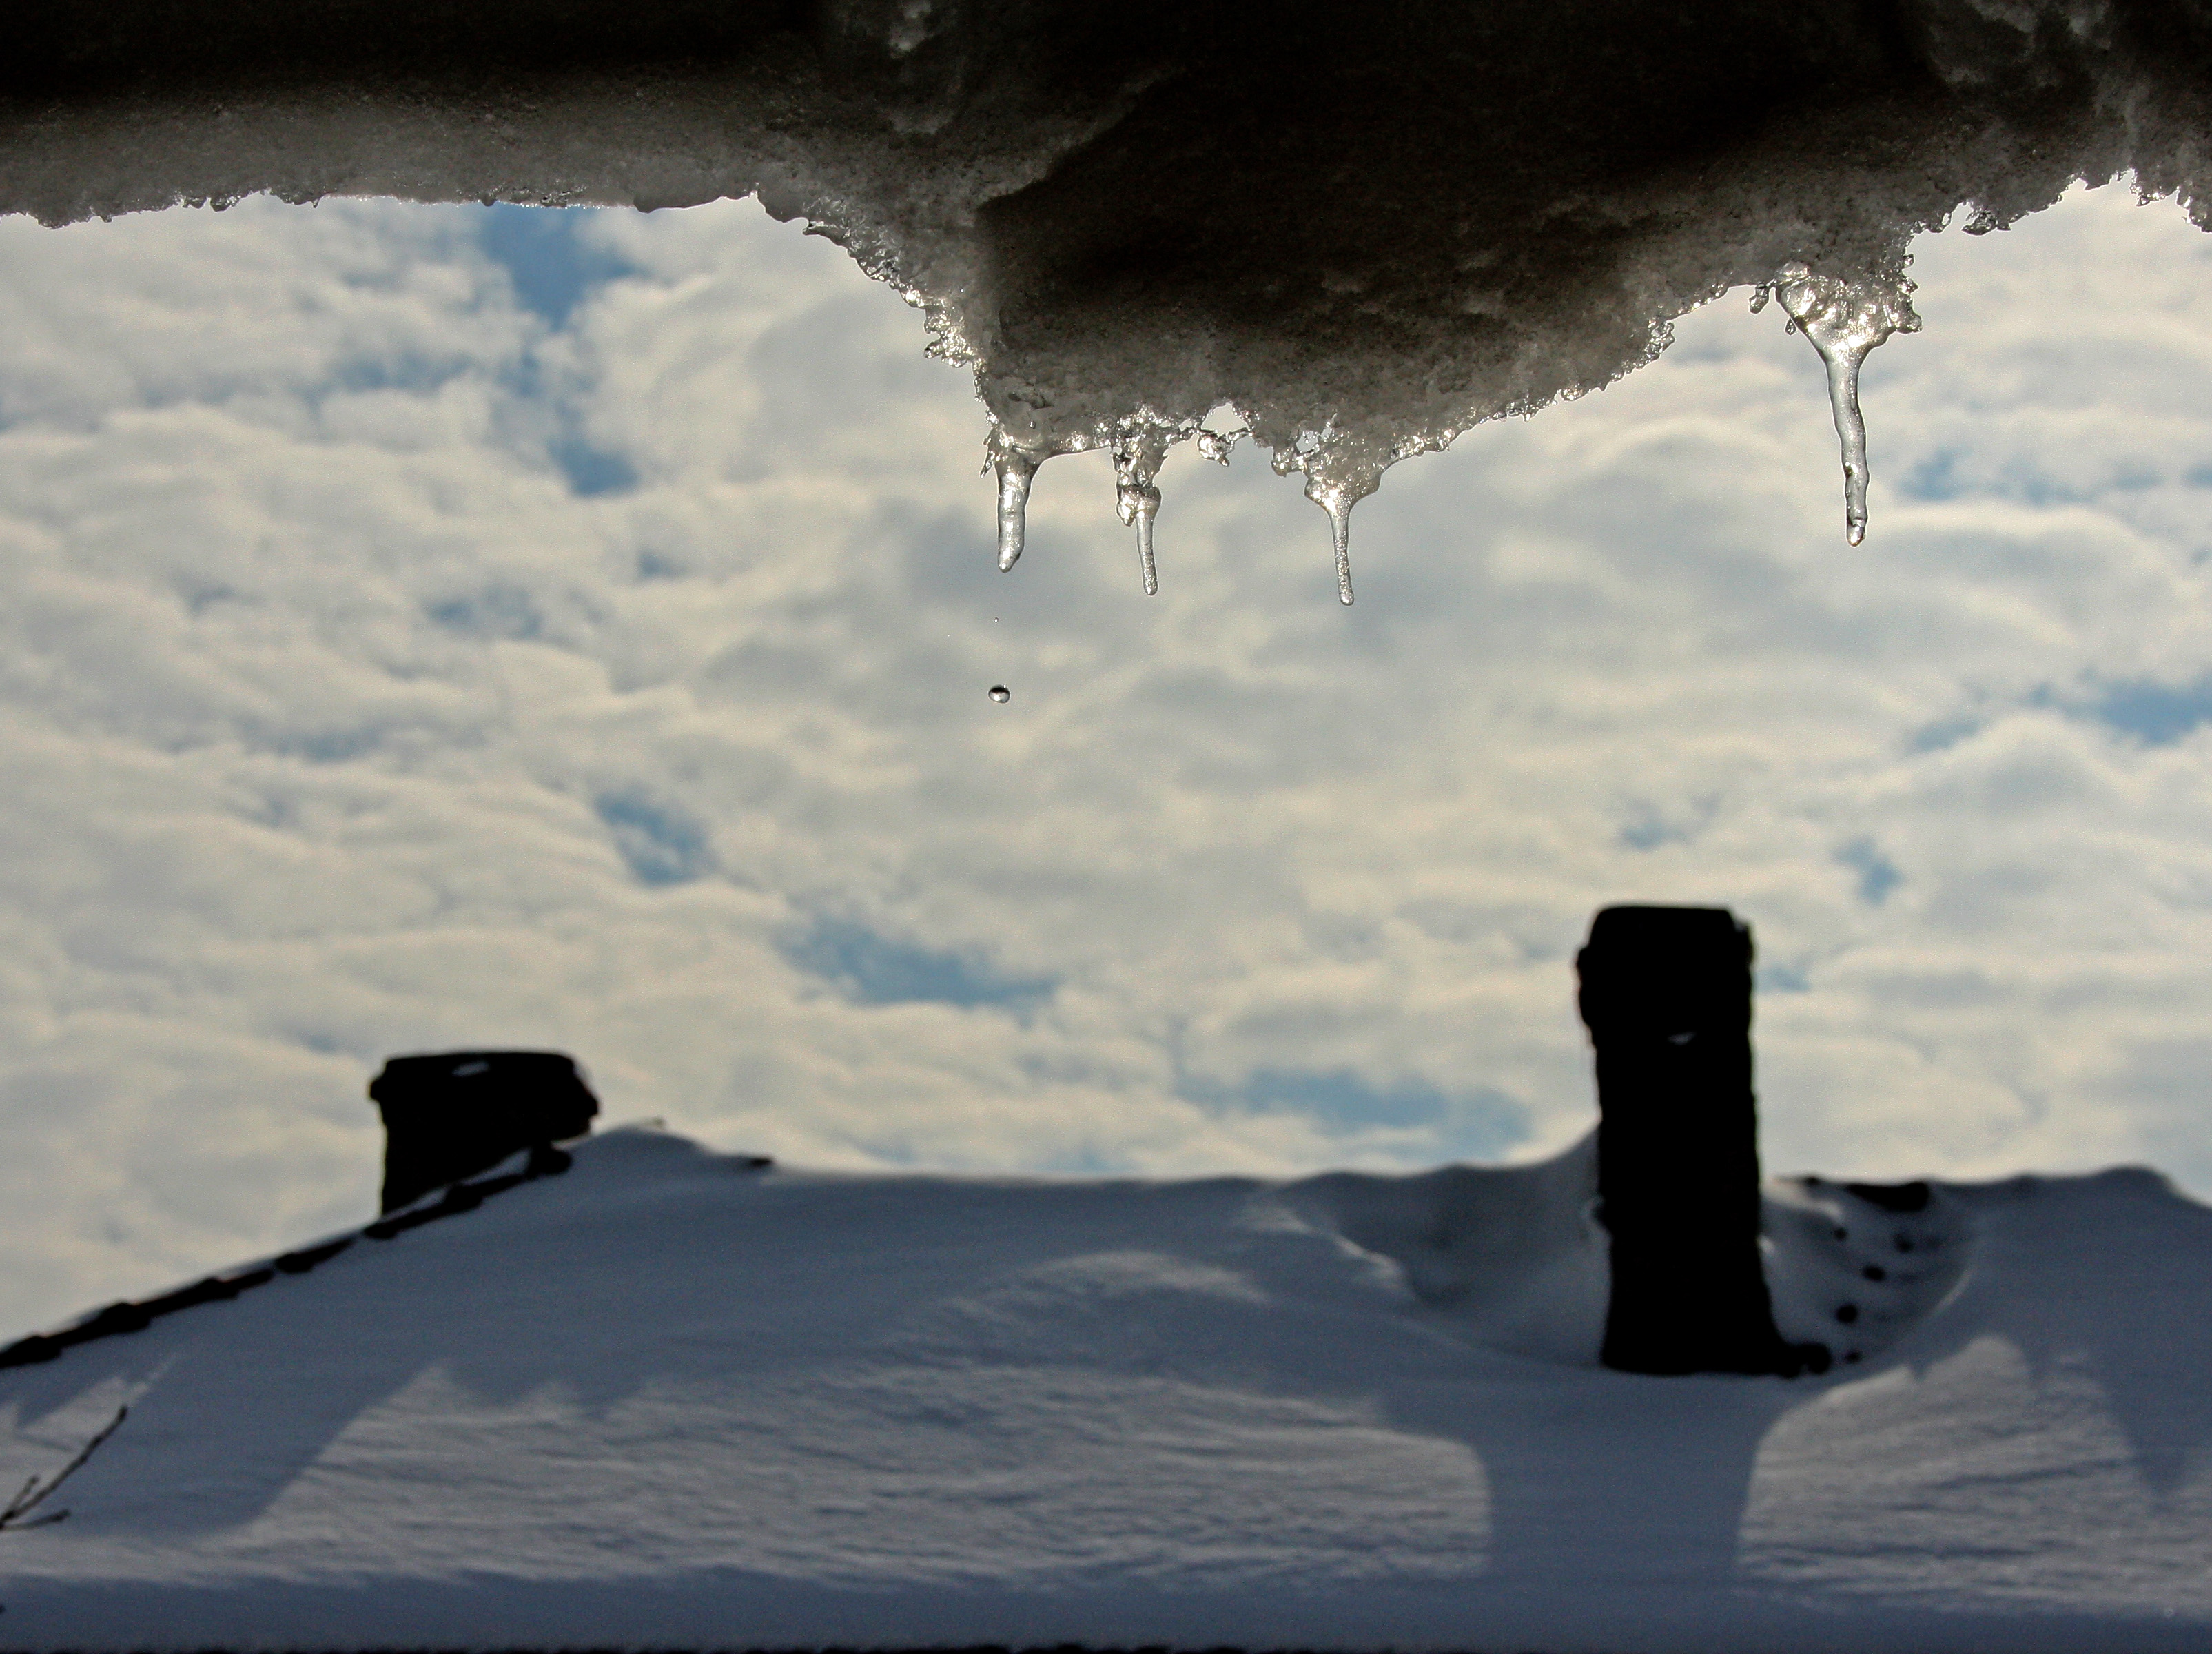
(18, 1509)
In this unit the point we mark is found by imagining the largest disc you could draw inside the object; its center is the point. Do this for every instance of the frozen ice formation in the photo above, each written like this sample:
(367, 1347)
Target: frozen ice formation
(1843, 320)
(1364, 230)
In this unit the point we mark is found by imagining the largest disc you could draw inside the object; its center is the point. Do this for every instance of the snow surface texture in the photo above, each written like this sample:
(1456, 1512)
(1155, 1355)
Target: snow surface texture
(672, 1398)
(1364, 235)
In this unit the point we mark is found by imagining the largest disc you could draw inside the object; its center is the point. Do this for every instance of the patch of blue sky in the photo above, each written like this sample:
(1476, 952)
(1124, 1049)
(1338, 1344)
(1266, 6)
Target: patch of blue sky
(2157, 715)
(870, 968)
(1878, 874)
(412, 372)
(1934, 476)
(1650, 833)
(554, 264)
(659, 843)
(548, 256)
(2031, 485)
(498, 612)
(330, 746)
(1943, 733)
(591, 471)
(1483, 1124)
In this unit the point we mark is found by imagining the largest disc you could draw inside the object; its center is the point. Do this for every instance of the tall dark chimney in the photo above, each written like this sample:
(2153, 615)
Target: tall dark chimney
(451, 1115)
(1666, 993)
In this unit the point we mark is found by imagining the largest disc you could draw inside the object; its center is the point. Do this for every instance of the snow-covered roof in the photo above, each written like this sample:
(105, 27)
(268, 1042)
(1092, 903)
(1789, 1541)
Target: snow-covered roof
(678, 1399)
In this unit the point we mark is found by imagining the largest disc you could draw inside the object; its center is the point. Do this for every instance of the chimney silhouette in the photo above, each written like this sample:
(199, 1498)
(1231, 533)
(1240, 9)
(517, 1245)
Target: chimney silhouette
(454, 1114)
(1666, 993)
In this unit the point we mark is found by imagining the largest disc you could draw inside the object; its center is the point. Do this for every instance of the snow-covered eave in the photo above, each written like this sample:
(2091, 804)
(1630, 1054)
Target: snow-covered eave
(1365, 231)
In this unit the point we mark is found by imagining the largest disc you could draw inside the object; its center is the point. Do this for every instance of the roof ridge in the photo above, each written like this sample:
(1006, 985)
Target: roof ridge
(128, 1316)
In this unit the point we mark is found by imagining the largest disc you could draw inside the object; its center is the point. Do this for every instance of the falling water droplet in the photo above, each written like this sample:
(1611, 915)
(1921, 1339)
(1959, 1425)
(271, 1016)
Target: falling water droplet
(1845, 320)
(1015, 471)
(1001, 694)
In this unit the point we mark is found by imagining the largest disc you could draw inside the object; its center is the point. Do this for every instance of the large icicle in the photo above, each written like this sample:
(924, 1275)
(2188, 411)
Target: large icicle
(1845, 320)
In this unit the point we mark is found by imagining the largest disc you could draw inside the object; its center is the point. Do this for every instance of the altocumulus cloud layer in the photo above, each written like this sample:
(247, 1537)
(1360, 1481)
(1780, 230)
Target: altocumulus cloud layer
(430, 626)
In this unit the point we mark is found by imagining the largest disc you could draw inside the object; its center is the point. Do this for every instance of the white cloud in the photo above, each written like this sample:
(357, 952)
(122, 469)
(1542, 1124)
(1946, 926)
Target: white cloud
(340, 723)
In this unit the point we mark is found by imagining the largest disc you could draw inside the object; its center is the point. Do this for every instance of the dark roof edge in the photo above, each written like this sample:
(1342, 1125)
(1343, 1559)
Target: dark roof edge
(129, 1316)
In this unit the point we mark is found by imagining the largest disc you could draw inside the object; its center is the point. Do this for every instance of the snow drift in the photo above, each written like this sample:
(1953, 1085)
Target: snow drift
(1366, 229)
(681, 1400)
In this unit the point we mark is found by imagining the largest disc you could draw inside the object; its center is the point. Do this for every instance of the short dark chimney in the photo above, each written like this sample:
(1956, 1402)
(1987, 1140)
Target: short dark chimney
(450, 1115)
(1666, 993)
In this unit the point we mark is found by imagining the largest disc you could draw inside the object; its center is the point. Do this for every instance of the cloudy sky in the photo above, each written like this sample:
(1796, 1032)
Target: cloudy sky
(429, 627)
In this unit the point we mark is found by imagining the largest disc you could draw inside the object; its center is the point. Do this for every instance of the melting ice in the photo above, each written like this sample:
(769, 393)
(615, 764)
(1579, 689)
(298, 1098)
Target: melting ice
(1137, 455)
(1843, 321)
(1015, 471)
(1124, 218)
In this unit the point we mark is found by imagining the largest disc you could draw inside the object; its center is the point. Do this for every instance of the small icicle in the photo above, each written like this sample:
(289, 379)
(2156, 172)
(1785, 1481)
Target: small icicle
(1341, 527)
(1136, 456)
(1843, 322)
(1015, 471)
(1340, 473)
(1336, 492)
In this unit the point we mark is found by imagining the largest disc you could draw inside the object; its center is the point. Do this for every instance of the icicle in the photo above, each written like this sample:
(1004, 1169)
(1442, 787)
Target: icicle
(1340, 522)
(1338, 502)
(1845, 321)
(1144, 515)
(1137, 455)
(1338, 474)
(1015, 471)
